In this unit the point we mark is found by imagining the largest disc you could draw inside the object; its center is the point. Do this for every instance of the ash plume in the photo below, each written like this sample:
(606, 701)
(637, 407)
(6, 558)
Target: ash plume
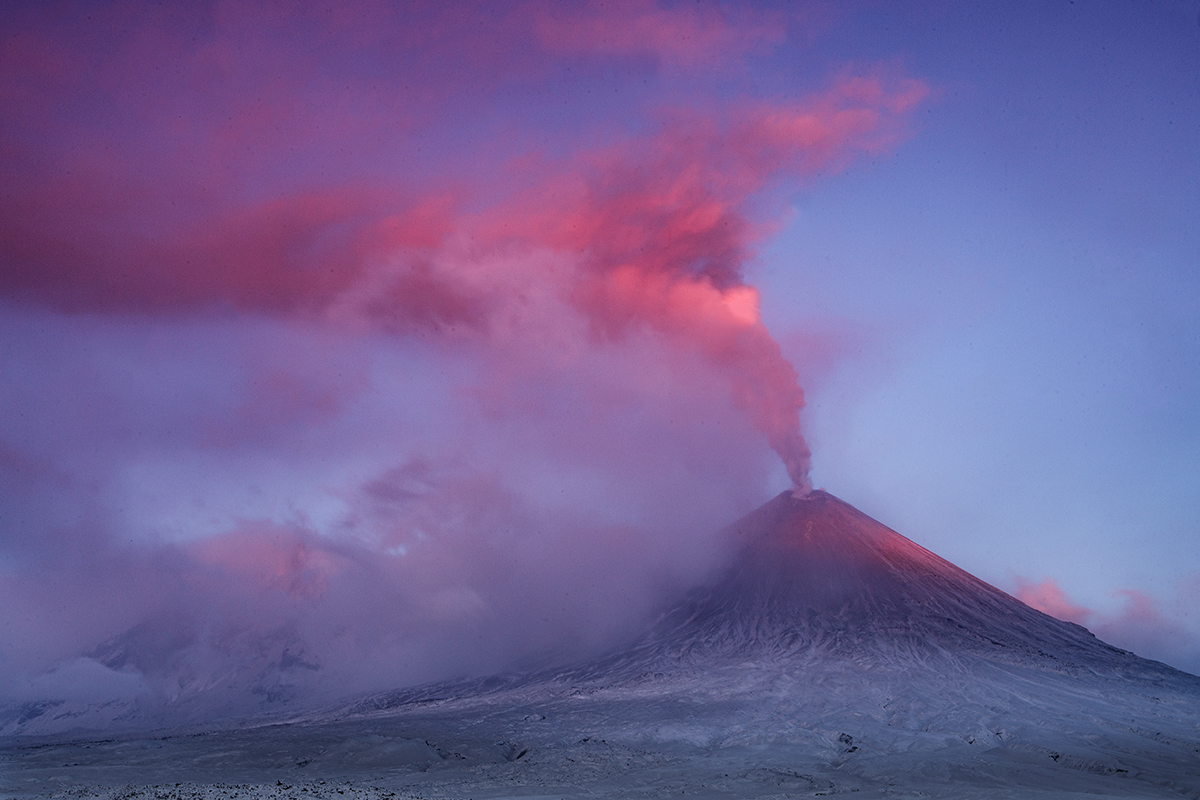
(350, 390)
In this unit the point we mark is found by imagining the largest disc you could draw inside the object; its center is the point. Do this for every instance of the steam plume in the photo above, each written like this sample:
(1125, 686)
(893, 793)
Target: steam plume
(350, 369)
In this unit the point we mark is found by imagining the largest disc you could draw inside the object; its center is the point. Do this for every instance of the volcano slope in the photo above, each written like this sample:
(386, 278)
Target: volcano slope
(833, 655)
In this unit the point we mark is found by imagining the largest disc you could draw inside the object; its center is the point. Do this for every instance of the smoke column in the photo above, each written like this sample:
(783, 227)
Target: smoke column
(664, 228)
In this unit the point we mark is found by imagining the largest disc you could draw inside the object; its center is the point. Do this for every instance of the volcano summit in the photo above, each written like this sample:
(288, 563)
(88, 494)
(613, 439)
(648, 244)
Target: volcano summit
(814, 574)
(832, 655)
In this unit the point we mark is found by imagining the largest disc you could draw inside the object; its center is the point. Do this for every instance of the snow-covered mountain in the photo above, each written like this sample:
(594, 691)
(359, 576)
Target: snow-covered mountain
(834, 643)
(815, 575)
(833, 654)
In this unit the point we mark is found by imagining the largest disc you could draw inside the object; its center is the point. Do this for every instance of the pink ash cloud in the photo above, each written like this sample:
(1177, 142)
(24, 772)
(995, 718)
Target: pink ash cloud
(342, 366)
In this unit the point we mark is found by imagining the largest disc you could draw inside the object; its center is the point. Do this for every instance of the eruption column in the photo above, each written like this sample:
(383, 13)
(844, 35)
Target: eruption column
(725, 325)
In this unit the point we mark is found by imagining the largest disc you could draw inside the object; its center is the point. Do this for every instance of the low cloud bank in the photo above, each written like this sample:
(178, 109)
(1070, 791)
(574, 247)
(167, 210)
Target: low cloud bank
(387, 343)
(1142, 625)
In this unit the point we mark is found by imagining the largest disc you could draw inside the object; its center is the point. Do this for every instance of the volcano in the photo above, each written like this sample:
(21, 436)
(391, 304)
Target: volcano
(813, 575)
(831, 655)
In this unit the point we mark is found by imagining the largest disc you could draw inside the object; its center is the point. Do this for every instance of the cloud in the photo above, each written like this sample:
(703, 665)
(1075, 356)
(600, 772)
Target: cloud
(432, 575)
(1048, 596)
(1140, 626)
(688, 36)
(341, 367)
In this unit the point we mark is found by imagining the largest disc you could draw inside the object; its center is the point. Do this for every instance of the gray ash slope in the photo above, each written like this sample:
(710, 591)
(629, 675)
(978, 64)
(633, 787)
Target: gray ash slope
(832, 655)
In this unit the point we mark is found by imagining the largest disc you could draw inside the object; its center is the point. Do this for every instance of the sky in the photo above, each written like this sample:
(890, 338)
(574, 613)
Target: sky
(350, 347)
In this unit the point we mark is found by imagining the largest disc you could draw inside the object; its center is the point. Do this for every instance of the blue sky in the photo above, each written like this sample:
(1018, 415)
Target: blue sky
(1022, 279)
